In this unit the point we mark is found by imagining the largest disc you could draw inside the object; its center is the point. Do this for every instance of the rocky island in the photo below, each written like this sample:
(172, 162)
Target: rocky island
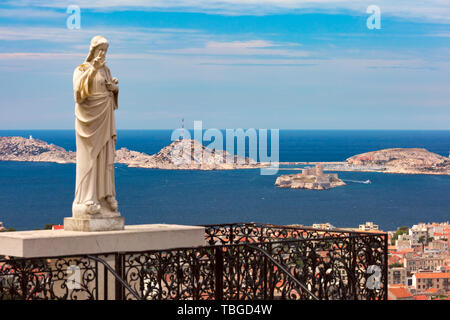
(186, 154)
(310, 178)
(394, 160)
(22, 149)
(183, 154)
(402, 160)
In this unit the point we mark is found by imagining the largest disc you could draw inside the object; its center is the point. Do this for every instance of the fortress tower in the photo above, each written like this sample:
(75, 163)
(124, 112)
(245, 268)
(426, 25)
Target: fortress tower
(319, 169)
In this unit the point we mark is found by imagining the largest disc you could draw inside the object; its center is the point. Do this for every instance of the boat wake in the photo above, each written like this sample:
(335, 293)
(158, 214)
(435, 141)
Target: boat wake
(358, 181)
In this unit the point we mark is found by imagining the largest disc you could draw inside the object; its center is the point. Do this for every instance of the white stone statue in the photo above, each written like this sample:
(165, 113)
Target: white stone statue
(95, 93)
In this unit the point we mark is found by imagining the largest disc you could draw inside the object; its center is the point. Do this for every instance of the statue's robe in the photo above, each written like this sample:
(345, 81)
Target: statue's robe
(95, 133)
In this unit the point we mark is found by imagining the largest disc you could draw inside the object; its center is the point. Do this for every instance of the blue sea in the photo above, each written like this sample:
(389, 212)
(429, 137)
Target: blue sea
(34, 194)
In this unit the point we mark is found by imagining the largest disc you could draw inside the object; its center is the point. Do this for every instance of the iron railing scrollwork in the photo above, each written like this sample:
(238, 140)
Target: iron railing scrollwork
(229, 272)
(292, 281)
(118, 278)
(49, 279)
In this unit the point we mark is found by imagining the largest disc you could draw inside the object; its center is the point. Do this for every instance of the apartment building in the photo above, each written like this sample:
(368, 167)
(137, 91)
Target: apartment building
(426, 280)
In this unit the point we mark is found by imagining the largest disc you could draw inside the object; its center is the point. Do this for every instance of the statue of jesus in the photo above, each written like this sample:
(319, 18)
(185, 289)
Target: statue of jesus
(95, 93)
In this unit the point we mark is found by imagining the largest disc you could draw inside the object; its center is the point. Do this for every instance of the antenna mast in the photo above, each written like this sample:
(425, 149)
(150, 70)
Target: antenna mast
(182, 127)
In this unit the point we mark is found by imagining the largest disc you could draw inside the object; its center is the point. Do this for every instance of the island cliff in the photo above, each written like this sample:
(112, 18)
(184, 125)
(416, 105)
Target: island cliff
(181, 155)
(186, 154)
(22, 149)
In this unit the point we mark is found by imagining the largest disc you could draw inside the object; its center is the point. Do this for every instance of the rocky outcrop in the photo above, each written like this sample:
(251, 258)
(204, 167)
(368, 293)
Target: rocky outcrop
(186, 155)
(130, 157)
(22, 149)
(313, 182)
(181, 154)
(403, 160)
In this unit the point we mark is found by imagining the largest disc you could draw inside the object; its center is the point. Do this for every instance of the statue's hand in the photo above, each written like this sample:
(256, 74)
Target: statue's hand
(111, 86)
(99, 60)
(115, 80)
(98, 63)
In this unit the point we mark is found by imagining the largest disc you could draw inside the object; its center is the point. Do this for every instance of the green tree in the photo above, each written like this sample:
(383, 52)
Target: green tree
(396, 265)
(400, 231)
(422, 240)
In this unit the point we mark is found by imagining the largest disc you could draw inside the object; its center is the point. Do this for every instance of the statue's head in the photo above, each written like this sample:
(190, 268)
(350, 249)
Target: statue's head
(97, 43)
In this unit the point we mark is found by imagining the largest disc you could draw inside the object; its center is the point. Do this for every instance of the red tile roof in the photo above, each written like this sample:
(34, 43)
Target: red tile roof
(400, 292)
(432, 275)
(405, 251)
(395, 259)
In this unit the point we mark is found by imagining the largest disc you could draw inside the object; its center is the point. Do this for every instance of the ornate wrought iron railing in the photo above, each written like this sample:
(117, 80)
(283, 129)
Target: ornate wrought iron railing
(334, 264)
(232, 233)
(240, 261)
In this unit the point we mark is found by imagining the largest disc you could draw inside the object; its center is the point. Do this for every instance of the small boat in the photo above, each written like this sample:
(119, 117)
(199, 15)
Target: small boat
(367, 182)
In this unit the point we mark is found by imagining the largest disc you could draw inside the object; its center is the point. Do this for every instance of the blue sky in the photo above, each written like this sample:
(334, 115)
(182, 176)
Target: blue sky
(289, 64)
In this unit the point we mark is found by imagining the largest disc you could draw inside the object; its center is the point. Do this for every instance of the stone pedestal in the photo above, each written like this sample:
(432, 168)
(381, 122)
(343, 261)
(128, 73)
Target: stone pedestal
(105, 220)
(94, 224)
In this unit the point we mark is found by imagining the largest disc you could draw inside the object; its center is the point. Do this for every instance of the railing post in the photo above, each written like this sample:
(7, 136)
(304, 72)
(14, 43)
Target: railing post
(385, 271)
(105, 282)
(219, 273)
(352, 278)
(231, 234)
(265, 277)
(119, 270)
(271, 275)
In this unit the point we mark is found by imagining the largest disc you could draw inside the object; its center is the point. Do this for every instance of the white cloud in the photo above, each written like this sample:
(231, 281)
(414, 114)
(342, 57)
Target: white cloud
(39, 33)
(242, 48)
(64, 35)
(240, 44)
(30, 13)
(142, 43)
(37, 55)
